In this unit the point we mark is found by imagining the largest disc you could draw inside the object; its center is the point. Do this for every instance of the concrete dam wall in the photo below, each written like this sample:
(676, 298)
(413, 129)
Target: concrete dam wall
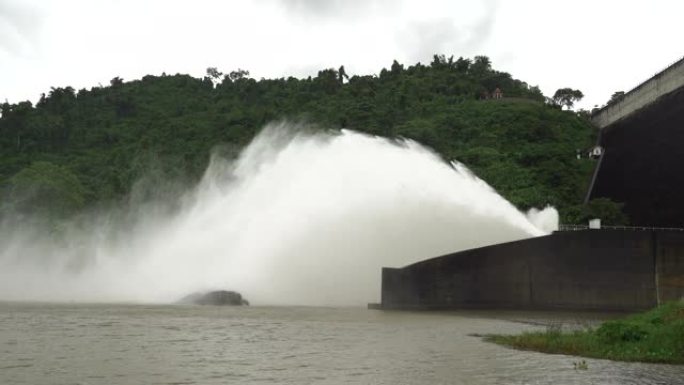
(662, 83)
(642, 163)
(590, 269)
(642, 137)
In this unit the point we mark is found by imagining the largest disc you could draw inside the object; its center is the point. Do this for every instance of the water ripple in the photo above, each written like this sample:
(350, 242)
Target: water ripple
(192, 345)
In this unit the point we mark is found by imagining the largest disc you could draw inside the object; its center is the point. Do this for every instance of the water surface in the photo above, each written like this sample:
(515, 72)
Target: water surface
(136, 344)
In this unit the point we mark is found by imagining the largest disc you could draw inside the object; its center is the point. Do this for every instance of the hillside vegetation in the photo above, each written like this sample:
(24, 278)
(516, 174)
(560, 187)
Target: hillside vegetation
(75, 149)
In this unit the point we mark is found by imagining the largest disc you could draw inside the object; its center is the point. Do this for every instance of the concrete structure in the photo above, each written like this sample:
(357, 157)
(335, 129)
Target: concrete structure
(640, 155)
(590, 269)
(663, 83)
(642, 137)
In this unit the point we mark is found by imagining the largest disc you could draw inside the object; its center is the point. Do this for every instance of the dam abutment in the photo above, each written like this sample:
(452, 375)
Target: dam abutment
(621, 270)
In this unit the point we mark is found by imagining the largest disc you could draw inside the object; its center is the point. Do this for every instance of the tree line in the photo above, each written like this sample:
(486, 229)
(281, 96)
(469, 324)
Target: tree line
(77, 148)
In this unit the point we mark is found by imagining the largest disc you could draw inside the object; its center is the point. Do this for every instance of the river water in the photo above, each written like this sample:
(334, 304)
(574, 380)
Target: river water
(137, 344)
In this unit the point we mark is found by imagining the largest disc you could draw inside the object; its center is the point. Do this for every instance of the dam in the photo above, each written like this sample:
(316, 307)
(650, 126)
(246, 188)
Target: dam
(607, 269)
(626, 269)
(641, 136)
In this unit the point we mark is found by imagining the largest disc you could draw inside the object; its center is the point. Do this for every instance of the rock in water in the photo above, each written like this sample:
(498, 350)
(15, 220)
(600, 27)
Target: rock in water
(216, 298)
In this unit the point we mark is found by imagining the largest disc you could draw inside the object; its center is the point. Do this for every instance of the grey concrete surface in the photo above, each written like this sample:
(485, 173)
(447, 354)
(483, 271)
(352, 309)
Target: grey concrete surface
(585, 270)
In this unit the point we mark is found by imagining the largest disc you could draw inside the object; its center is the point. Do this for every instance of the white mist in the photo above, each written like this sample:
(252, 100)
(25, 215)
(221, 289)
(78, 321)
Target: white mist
(297, 219)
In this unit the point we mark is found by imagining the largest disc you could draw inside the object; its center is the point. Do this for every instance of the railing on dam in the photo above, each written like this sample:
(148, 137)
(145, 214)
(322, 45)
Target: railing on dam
(630, 228)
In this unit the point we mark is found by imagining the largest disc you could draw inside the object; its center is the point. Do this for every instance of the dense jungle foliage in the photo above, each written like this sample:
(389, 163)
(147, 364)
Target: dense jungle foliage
(76, 149)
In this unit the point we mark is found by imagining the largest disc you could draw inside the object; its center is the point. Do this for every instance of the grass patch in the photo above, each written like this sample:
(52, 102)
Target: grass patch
(653, 336)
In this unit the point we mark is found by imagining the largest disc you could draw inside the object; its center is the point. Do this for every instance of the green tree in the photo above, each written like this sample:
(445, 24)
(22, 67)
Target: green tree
(567, 97)
(609, 212)
(45, 189)
(462, 65)
(116, 82)
(238, 74)
(481, 66)
(524, 149)
(616, 97)
(214, 75)
(342, 75)
(396, 68)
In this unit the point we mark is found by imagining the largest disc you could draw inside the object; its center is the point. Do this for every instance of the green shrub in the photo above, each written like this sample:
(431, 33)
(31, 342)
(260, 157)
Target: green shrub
(615, 331)
(653, 336)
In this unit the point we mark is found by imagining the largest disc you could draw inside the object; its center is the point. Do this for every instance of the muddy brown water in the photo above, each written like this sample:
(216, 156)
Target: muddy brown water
(144, 344)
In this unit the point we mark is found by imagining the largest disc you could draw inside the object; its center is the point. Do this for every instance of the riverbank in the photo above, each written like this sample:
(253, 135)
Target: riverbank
(656, 336)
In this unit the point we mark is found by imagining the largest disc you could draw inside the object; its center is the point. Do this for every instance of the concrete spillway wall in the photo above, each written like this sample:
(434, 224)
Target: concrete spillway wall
(642, 163)
(592, 269)
(664, 82)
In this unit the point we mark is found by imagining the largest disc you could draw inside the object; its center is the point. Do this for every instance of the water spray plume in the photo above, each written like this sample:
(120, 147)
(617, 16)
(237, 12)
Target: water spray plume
(298, 218)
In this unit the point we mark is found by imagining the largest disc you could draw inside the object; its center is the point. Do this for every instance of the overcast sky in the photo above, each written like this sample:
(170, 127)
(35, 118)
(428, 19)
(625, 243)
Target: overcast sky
(596, 46)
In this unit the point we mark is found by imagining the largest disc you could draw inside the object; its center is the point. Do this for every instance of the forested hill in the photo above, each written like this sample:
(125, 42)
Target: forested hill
(74, 148)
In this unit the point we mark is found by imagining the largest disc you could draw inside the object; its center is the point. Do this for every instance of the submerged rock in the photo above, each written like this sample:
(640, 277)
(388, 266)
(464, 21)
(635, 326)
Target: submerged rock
(216, 298)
